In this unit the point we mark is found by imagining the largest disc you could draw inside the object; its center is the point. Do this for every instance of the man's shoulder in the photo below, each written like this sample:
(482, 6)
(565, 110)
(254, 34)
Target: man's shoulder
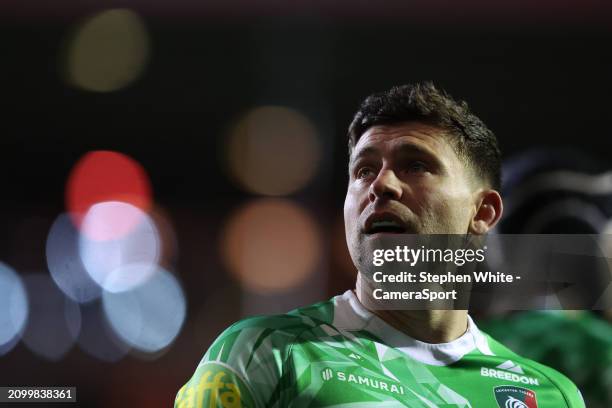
(523, 366)
(502, 351)
(246, 360)
(293, 321)
(276, 330)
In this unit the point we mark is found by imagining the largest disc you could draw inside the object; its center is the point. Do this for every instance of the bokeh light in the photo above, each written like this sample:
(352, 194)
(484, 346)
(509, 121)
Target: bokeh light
(271, 245)
(97, 338)
(6, 347)
(14, 308)
(273, 150)
(127, 260)
(101, 176)
(167, 237)
(65, 264)
(149, 316)
(107, 52)
(55, 320)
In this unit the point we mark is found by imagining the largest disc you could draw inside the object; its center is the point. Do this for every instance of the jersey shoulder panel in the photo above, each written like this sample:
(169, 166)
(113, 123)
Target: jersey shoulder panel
(318, 313)
(247, 360)
(265, 334)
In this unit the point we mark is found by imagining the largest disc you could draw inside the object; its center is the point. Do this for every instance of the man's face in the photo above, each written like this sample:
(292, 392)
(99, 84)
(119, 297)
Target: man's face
(405, 178)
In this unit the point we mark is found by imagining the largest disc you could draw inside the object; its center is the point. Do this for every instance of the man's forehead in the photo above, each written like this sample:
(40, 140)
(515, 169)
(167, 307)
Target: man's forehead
(428, 137)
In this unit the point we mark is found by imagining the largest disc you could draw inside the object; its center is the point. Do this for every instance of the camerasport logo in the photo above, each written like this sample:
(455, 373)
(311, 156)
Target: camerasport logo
(508, 396)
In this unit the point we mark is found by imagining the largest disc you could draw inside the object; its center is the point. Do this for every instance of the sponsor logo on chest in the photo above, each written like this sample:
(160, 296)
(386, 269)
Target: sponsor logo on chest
(328, 374)
(509, 371)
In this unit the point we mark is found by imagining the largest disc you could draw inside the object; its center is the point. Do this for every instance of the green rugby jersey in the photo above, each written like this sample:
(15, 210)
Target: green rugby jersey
(338, 354)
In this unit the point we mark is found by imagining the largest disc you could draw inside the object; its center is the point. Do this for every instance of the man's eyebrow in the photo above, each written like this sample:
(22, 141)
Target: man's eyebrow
(366, 151)
(411, 148)
(402, 149)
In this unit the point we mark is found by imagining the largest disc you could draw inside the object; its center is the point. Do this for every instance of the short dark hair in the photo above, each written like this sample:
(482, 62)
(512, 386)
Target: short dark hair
(423, 102)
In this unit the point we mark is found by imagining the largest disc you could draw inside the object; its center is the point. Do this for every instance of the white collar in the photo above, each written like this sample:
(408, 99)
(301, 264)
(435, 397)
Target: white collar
(351, 315)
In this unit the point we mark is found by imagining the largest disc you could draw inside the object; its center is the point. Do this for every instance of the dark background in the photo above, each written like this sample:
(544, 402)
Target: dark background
(538, 75)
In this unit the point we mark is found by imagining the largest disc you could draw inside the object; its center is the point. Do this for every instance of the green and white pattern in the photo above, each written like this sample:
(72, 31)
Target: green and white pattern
(338, 354)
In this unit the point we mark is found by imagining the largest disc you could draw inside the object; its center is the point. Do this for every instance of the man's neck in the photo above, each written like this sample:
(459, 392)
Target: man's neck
(429, 326)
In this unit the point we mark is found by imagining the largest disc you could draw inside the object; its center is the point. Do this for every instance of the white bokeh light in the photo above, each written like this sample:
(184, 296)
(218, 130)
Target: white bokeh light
(64, 262)
(150, 316)
(13, 307)
(124, 260)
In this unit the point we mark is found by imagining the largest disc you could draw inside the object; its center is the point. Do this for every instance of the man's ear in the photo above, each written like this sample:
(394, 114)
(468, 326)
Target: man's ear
(489, 208)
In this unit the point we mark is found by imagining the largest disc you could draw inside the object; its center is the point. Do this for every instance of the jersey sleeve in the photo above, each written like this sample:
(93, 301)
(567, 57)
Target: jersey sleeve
(568, 389)
(242, 368)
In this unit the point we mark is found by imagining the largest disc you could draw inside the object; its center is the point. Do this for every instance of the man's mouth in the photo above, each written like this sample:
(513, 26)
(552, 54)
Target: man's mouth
(385, 223)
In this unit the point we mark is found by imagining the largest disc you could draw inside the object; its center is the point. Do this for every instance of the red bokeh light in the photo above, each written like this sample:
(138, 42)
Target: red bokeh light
(106, 176)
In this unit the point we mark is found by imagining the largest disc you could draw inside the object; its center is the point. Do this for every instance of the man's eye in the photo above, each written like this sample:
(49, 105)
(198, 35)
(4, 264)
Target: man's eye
(417, 167)
(364, 172)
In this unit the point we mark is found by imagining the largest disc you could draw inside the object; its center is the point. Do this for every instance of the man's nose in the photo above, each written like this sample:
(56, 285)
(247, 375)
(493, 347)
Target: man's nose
(386, 185)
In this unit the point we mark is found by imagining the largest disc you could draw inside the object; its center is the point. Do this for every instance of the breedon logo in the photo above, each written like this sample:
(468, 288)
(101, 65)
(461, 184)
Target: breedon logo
(509, 371)
(509, 396)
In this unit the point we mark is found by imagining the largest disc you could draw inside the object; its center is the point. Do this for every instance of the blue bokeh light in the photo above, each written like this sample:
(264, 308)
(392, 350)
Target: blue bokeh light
(14, 308)
(141, 318)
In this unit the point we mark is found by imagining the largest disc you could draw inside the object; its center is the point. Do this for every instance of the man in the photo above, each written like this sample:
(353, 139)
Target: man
(420, 163)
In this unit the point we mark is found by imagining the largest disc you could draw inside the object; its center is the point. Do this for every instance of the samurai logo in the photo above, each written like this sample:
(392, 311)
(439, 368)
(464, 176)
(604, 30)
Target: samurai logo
(508, 396)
